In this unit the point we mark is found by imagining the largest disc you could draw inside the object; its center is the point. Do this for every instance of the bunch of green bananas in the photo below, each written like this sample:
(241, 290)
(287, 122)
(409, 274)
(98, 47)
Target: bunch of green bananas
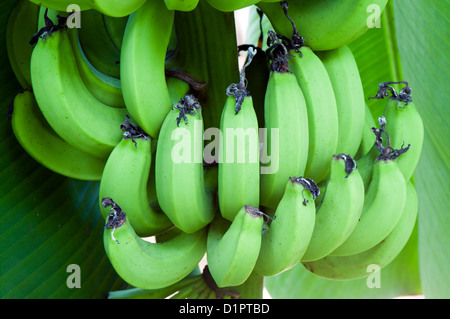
(301, 171)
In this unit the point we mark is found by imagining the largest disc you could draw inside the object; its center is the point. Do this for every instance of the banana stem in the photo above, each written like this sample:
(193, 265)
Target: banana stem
(195, 31)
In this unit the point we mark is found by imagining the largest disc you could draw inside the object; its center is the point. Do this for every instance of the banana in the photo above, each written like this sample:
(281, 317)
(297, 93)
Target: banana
(357, 266)
(125, 179)
(179, 162)
(238, 171)
(405, 126)
(315, 83)
(148, 265)
(231, 5)
(232, 249)
(20, 27)
(367, 139)
(105, 88)
(340, 209)
(45, 146)
(71, 110)
(96, 44)
(289, 234)
(116, 29)
(181, 5)
(113, 8)
(286, 125)
(383, 204)
(348, 90)
(325, 24)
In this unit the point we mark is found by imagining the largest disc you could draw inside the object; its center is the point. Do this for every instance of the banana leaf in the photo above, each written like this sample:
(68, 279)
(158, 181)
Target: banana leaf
(50, 226)
(411, 44)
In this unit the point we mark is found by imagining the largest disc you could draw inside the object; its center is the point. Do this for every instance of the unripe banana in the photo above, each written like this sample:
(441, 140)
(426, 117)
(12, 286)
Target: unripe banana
(179, 161)
(125, 179)
(286, 125)
(405, 127)
(367, 139)
(149, 265)
(315, 83)
(142, 65)
(383, 204)
(325, 24)
(20, 27)
(289, 234)
(239, 172)
(340, 209)
(48, 148)
(348, 90)
(233, 248)
(181, 5)
(357, 266)
(91, 126)
(115, 28)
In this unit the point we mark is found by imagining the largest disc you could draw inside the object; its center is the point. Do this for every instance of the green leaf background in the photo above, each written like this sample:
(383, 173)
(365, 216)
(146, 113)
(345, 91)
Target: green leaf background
(48, 222)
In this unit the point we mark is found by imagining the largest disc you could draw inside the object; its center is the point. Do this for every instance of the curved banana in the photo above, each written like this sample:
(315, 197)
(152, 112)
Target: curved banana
(348, 90)
(45, 146)
(179, 164)
(287, 137)
(142, 65)
(340, 209)
(232, 249)
(97, 45)
(239, 172)
(405, 126)
(383, 204)
(66, 103)
(105, 88)
(20, 27)
(231, 5)
(289, 234)
(357, 266)
(148, 265)
(324, 24)
(315, 83)
(181, 5)
(114, 8)
(116, 29)
(125, 179)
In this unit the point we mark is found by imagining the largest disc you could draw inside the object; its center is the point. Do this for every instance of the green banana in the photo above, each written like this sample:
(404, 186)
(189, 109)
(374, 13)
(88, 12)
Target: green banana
(238, 171)
(20, 27)
(340, 209)
(114, 8)
(357, 266)
(231, 5)
(142, 65)
(45, 146)
(105, 88)
(91, 126)
(383, 204)
(179, 161)
(116, 29)
(96, 44)
(181, 5)
(148, 265)
(125, 179)
(324, 24)
(232, 249)
(286, 140)
(289, 234)
(348, 90)
(405, 126)
(322, 112)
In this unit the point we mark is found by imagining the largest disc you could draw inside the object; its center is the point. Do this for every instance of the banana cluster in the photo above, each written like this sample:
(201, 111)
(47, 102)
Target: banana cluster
(301, 171)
